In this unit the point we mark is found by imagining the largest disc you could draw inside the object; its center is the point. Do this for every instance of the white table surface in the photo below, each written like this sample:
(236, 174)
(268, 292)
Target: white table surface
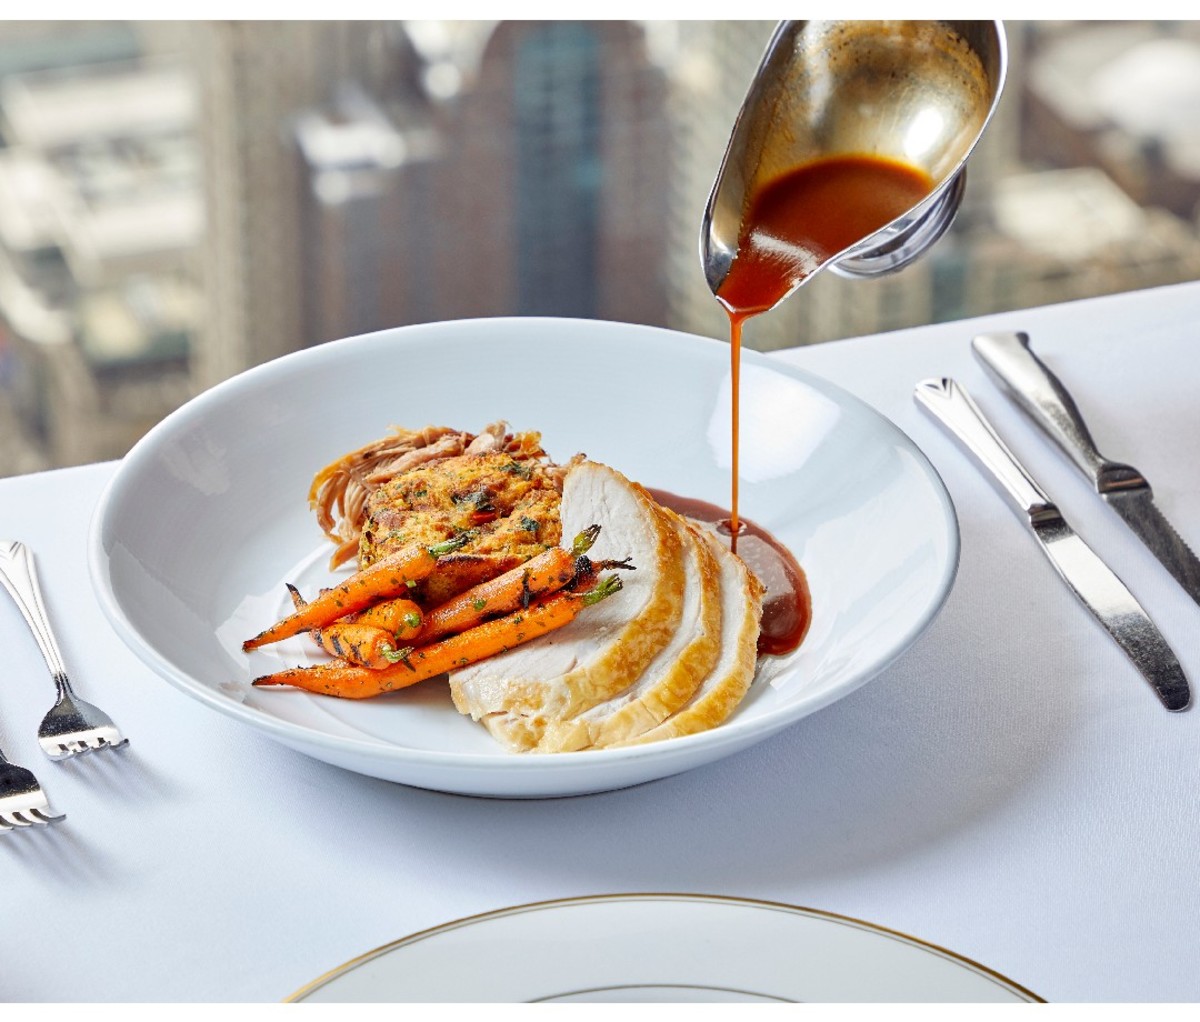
(1009, 788)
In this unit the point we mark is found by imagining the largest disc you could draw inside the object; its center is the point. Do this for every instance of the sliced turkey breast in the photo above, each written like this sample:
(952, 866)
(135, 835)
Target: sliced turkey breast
(603, 651)
(673, 676)
(725, 686)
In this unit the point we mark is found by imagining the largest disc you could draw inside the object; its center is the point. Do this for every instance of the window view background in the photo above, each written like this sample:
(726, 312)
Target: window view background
(180, 201)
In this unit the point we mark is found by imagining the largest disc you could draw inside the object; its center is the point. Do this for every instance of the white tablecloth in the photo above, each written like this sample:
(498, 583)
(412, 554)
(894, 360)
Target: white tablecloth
(1009, 788)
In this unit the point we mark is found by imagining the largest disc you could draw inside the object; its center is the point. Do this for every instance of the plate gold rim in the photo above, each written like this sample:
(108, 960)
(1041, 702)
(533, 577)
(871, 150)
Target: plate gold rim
(837, 917)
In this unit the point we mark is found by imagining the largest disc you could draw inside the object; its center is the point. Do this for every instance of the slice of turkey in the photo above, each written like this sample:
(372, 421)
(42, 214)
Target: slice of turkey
(725, 686)
(673, 675)
(607, 647)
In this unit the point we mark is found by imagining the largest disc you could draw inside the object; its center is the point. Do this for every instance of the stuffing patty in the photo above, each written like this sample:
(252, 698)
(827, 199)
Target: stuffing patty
(508, 506)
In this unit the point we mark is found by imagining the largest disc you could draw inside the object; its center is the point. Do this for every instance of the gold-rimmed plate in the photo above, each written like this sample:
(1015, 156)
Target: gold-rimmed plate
(662, 948)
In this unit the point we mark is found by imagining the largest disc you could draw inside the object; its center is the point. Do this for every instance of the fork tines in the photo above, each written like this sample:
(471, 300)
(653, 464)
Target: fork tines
(64, 746)
(22, 801)
(33, 817)
(74, 726)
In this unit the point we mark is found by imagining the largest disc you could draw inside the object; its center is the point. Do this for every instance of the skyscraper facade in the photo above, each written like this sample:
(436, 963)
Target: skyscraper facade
(558, 168)
(518, 168)
(254, 77)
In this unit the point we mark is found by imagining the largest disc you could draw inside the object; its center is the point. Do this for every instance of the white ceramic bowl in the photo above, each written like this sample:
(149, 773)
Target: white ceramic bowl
(207, 516)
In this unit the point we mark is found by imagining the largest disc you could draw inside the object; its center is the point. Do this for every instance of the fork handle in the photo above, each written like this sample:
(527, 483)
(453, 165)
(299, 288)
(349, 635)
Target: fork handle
(19, 577)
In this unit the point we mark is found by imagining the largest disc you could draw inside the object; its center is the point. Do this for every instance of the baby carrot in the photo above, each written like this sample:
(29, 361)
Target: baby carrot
(341, 678)
(401, 617)
(353, 640)
(357, 643)
(419, 663)
(547, 572)
(387, 577)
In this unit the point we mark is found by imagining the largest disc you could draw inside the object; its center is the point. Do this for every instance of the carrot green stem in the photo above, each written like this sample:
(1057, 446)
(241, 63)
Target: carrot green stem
(604, 588)
(583, 542)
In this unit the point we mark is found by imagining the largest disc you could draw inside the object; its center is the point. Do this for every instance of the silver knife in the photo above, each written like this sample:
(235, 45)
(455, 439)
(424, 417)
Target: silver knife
(1009, 359)
(1097, 587)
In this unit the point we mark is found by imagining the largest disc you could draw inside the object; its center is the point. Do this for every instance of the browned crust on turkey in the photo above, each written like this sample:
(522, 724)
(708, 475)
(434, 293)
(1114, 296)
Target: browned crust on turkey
(713, 705)
(517, 710)
(678, 681)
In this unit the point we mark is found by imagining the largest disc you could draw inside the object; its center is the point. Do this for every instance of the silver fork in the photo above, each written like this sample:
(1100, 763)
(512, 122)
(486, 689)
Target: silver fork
(22, 801)
(72, 726)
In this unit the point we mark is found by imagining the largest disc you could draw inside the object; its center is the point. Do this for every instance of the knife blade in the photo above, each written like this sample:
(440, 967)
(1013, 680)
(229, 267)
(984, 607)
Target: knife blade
(1010, 360)
(1094, 583)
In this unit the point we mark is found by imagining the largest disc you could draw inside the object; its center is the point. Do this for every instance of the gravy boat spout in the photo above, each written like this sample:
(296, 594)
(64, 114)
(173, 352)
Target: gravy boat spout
(917, 92)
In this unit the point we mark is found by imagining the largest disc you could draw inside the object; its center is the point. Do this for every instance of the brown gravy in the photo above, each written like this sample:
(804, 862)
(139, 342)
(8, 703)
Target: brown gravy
(787, 607)
(792, 225)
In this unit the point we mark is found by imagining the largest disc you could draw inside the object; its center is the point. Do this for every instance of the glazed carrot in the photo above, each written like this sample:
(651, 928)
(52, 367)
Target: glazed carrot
(351, 639)
(545, 573)
(358, 644)
(401, 617)
(342, 678)
(419, 663)
(387, 577)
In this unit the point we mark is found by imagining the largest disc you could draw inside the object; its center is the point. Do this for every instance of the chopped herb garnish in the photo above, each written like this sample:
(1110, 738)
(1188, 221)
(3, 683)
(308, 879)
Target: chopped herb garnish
(400, 656)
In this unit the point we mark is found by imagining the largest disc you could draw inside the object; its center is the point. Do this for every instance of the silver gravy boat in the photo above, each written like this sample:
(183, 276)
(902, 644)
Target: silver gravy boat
(920, 92)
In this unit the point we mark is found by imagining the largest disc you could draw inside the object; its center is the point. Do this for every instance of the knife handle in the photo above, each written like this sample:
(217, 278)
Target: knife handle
(1040, 394)
(952, 406)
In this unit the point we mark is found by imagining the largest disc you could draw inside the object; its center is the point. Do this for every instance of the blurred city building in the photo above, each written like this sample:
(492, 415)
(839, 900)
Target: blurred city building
(254, 78)
(1123, 96)
(100, 219)
(182, 200)
(521, 171)
(366, 185)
